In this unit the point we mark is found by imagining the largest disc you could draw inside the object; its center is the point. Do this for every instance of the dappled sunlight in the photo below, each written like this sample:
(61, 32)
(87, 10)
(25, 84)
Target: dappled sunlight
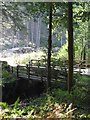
(23, 58)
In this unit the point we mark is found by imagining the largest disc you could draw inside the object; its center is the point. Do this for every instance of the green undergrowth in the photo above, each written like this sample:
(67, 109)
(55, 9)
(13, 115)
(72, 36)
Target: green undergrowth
(44, 107)
(7, 77)
(56, 103)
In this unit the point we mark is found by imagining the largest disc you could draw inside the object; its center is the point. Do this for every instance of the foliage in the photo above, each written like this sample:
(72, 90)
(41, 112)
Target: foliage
(25, 58)
(62, 54)
(13, 14)
(48, 108)
(7, 77)
(80, 39)
(28, 9)
(56, 104)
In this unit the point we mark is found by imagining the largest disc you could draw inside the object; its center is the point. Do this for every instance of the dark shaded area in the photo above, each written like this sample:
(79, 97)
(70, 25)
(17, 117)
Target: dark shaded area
(22, 88)
(25, 89)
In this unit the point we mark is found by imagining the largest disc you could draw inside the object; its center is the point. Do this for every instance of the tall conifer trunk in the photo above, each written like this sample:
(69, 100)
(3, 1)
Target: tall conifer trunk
(88, 33)
(70, 46)
(49, 46)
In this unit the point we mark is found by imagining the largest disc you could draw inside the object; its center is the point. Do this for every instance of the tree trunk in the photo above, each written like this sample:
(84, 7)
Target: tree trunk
(28, 34)
(70, 46)
(49, 46)
(82, 50)
(88, 33)
(61, 41)
(84, 53)
(38, 33)
(12, 37)
(32, 31)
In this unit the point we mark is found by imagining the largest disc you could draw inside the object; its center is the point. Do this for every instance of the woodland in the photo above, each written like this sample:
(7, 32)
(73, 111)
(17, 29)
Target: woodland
(45, 60)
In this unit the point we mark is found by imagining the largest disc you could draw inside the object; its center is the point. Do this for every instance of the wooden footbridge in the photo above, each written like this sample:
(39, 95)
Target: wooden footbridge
(35, 70)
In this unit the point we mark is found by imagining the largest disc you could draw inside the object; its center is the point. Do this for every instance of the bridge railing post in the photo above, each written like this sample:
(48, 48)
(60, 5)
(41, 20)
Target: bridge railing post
(17, 71)
(29, 68)
(28, 71)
